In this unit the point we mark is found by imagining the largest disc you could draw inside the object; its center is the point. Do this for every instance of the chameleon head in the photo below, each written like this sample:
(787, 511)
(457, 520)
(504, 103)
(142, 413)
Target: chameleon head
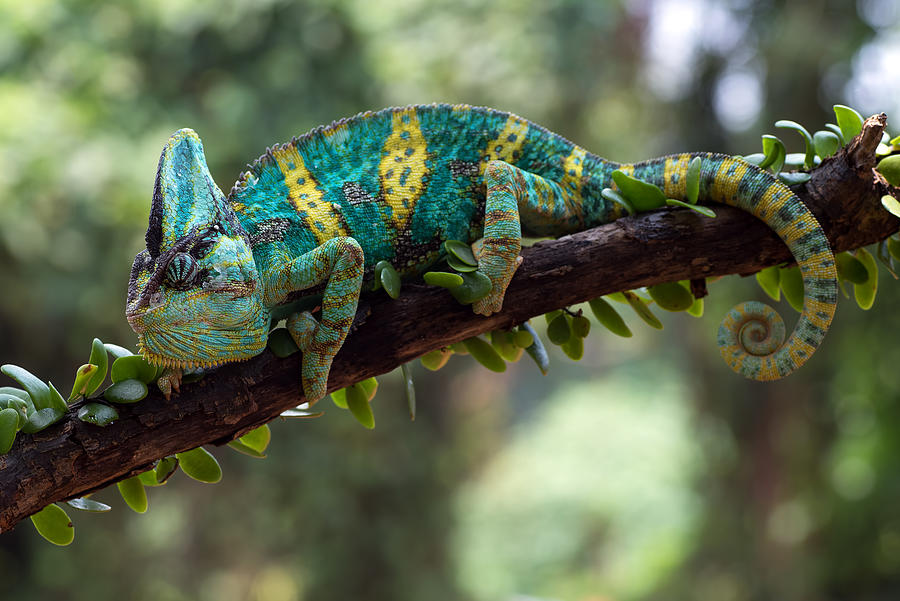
(194, 296)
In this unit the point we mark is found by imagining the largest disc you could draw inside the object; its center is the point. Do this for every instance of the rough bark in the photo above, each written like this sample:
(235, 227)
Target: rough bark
(72, 458)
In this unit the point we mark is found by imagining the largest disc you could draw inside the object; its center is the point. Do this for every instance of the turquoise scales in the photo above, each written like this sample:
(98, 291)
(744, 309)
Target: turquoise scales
(393, 185)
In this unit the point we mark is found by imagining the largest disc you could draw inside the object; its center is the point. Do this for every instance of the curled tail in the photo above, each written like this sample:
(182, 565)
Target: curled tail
(751, 337)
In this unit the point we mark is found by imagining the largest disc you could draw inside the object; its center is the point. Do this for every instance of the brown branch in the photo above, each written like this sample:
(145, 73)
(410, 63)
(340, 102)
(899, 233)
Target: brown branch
(72, 458)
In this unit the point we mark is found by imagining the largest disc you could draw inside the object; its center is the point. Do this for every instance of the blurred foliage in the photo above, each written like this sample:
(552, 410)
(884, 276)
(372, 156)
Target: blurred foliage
(596, 482)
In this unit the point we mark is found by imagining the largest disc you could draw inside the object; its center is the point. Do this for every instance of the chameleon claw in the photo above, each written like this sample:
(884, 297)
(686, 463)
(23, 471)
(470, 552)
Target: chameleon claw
(170, 381)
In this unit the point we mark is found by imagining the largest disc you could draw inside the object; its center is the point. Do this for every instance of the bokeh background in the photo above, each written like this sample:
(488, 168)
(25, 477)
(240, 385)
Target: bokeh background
(646, 471)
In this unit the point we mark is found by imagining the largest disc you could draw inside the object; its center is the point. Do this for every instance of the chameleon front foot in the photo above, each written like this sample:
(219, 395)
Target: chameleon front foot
(169, 381)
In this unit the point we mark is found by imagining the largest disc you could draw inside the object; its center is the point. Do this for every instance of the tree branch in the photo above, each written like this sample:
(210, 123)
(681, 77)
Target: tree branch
(72, 458)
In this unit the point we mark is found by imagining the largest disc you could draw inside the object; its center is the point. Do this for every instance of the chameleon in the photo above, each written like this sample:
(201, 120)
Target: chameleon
(314, 215)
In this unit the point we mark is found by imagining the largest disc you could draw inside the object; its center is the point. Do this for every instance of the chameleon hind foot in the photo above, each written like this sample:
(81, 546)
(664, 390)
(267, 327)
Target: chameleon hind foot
(317, 354)
(170, 381)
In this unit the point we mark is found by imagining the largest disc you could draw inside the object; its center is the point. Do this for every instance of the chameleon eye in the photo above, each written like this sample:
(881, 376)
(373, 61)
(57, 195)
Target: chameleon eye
(182, 271)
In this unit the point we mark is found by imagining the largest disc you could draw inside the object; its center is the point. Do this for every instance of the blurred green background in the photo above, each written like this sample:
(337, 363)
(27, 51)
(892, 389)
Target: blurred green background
(646, 471)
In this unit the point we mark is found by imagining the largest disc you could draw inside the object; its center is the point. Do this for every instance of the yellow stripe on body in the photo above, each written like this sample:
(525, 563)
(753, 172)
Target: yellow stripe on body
(507, 146)
(306, 196)
(724, 186)
(773, 200)
(402, 171)
(676, 187)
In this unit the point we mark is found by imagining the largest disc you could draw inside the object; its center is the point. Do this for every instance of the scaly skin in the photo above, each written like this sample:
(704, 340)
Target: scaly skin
(393, 185)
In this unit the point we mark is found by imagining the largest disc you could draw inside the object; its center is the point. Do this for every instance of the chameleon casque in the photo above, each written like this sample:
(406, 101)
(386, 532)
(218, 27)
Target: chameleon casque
(317, 213)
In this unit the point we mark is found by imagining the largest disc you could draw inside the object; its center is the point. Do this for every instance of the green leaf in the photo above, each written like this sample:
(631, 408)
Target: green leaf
(38, 392)
(644, 196)
(769, 280)
(200, 465)
(536, 350)
(126, 391)
(640, 307)
(849, 121)
(791, 282)
(8, 401)
(475, 286)
(558, 330)
(613, 196)
(133, 367)
(56, 400)
(84, 504)
(891, 205)
(836, 131)
(502, 341)
(893, 246)
(794, 178)
(485, 354)
(9, 425)
(165, 468)
(436, 359)
(301, 412)
(444, 279)
(865, 293)
(609, 317)
(369, 386)
(410, 390)
(82, 376)
(132, 491)
(754, 159)
(522, 338)
(889, 167)
(339, 398)
(281, 343)
(41, 419)
(257, 439)
(826, 142)
(358, 404)
(100, 358)
(692, 181)
(389, 278)
(573, 348)
(240, 447)
(697, 308)
(850, 268)
(461, 251)
(705, 211)
(581, 326)
(810, 153)
(53, 523)
(115, 351)
(775, 153)
(671, 296)
(460, 266)
(99, 414)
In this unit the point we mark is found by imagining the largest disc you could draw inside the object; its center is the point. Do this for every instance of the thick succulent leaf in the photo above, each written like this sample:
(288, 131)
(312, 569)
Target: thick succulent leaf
(865, 293)
(671, 296)
(132, 491)
(41, 419)
(849, 121)
(359, 406)
(53, 523)
(461, 251)
(889, 167)
(100, 358)
(791, 282)
(99, 414)
(444, 279)
(133, 367)
(609, 317)
(810, 152)
(644, 196)
(613, 196)
(126, 391)
(85, 504)
(9, 425)
(485, 354)
(769, 279)
(200, 465)
(38, 392)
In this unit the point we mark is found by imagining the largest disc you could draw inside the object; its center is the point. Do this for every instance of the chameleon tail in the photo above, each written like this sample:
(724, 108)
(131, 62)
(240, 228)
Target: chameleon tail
(751, 337)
